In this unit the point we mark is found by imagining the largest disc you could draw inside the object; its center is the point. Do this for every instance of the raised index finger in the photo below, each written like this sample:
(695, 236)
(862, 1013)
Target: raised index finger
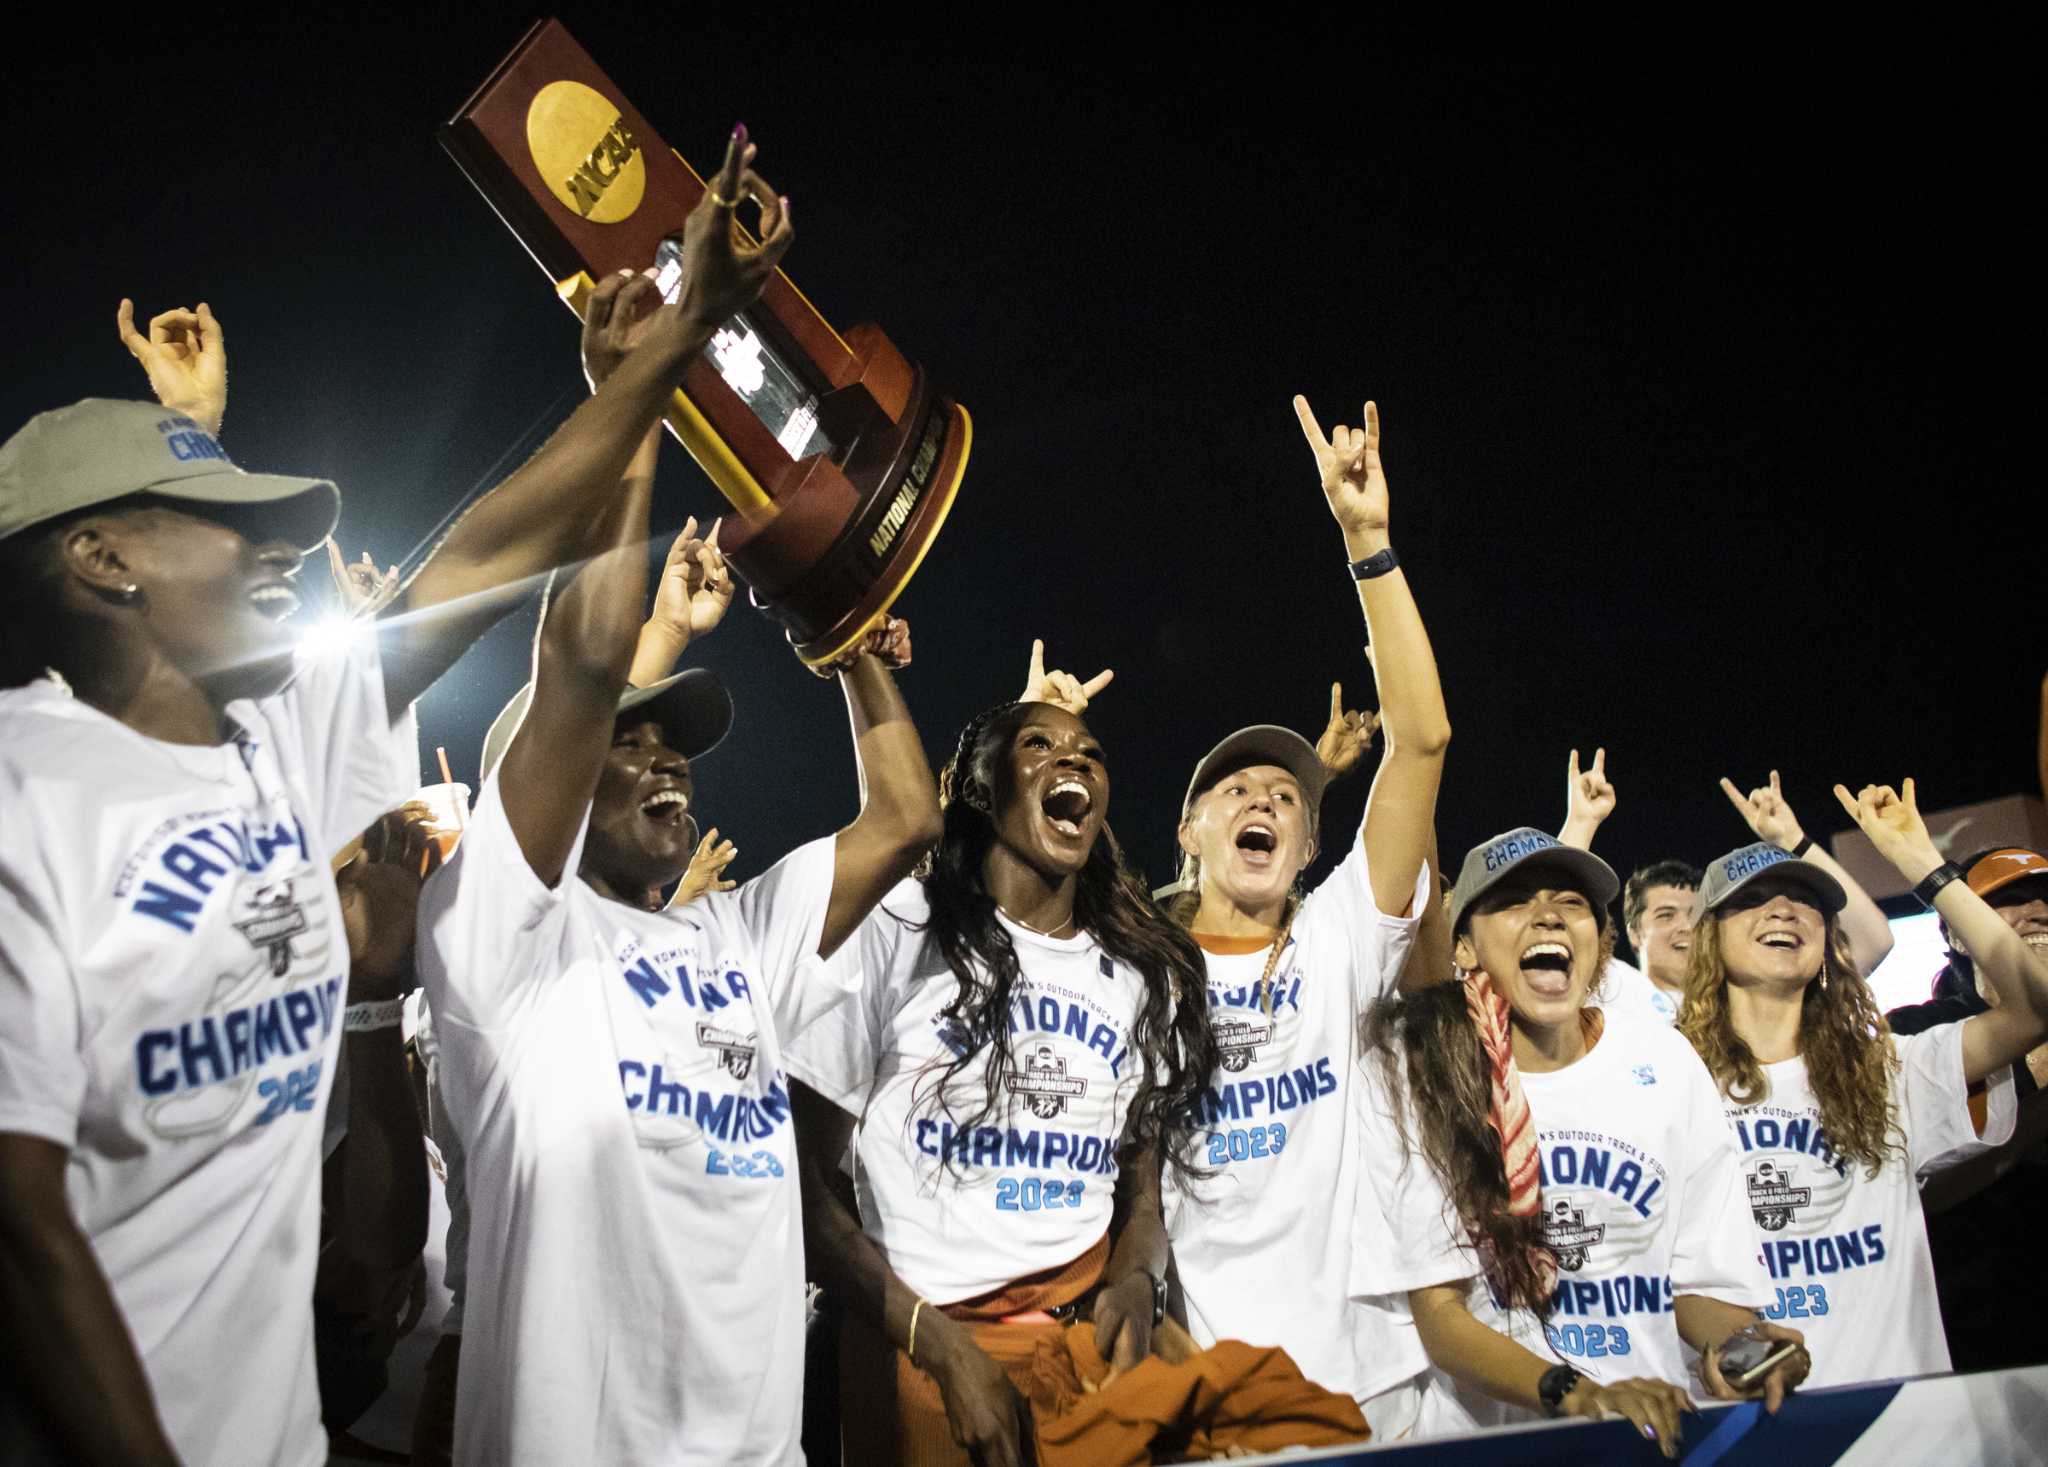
(1310, 428)
(1036, 673)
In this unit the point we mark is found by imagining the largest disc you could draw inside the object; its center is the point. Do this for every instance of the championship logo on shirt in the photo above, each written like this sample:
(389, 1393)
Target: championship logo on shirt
(1239, 1039)
(1567, 1234)
(1798, 1183)
(735, 1050)
(1773, 1198)
(273, 918)
(1045, 1084)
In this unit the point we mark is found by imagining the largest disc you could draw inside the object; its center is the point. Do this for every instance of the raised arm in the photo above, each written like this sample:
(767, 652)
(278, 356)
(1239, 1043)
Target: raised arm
(989, 1418)
(692, 597)
(1589, 800)
(1400, 813)
(379, 1191)
(545, 515)
(899, 809)
(1772, 819)
(2019, 978)
(551, 768)
(186, 358)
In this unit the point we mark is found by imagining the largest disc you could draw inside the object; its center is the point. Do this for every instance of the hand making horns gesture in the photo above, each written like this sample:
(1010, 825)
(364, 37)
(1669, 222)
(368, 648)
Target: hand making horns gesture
(1354, 480)
(1061, 689)
(723, 270)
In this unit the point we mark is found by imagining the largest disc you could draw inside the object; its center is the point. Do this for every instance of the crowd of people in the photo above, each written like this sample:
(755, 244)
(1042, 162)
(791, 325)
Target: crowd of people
(943, 1140)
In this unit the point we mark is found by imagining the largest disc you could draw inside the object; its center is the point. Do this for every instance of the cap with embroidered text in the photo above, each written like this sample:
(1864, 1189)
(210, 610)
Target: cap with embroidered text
(1527, 849)
(100, 450)
(1737, 869)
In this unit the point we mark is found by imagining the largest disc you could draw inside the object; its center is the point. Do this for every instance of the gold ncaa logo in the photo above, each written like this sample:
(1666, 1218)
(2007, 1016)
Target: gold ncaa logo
(585, 151)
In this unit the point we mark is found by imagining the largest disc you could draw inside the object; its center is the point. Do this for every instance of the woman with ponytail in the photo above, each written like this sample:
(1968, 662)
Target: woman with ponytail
(1262, 1241)
(1838, 1122)
(1551, 1187)
(1029, 1033)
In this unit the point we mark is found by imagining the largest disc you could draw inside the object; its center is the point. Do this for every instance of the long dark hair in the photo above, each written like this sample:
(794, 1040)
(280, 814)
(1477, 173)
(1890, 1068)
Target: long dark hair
(1435, 1071)
(1175, 1048)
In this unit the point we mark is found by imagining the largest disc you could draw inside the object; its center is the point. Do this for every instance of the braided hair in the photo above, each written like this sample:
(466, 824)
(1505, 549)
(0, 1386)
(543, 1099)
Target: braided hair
(1175, 1048)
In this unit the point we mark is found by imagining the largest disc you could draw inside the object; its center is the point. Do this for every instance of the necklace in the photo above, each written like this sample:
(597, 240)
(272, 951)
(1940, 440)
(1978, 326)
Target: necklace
(1041, 931)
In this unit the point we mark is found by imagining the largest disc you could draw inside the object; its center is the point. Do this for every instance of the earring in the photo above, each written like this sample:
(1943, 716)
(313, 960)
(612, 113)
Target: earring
(130, 591)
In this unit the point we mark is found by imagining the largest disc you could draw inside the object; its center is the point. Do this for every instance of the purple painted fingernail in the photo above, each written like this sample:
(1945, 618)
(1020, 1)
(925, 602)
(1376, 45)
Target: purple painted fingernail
(1650, 1432)
(739, 132)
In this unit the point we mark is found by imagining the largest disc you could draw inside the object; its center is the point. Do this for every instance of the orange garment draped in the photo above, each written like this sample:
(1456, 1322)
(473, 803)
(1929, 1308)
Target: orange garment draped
(1232, 1395)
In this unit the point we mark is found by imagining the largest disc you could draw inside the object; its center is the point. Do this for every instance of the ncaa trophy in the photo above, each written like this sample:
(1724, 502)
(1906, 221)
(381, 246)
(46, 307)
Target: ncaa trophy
(840, 456)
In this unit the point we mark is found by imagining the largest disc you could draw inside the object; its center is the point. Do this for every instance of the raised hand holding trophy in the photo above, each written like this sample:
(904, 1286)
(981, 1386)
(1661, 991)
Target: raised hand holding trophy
(840, 457)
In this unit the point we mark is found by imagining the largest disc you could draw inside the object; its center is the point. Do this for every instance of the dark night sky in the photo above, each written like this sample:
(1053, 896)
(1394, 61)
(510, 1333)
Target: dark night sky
(1704, 381)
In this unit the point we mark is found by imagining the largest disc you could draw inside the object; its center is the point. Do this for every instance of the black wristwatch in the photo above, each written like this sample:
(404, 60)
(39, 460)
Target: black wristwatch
(1556, 1384)
(1158, 1300)
(1374, 565)
(1930, 885)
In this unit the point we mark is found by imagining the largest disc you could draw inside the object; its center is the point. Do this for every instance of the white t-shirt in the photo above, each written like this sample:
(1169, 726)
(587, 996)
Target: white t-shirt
(1263, 1245)
(1642, 1199)
(1847, 1254)
(961, 1211)
(172, 974)
(634, 1265)
(1624, 986)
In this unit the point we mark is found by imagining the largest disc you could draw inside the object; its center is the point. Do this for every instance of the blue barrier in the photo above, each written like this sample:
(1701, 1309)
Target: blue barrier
(1997, 1419)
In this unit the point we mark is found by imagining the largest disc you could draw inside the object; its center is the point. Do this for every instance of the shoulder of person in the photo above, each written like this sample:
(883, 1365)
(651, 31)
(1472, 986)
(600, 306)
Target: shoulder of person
(39, 724)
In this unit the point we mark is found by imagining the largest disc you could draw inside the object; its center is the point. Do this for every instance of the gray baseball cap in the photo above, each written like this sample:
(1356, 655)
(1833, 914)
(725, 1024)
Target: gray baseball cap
(1262, 743)
(692, 707)
(99, 450)
(1527, 849)
(1735, 870)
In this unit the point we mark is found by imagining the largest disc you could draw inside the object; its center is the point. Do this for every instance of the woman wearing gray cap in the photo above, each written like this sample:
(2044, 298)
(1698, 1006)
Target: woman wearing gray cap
(1261, 1244)
(1837, 1120)
(171, 953)
(1553, 1191)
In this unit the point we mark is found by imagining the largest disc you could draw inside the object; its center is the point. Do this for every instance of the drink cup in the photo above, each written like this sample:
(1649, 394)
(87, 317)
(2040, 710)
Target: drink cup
(450, 804)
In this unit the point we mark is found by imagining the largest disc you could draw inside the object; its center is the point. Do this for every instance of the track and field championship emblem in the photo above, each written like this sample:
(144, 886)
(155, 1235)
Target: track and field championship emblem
(1567, 1234)
(274, 919)
(735, 1050)
(1773, 1198)
(1045, 1084)
(1239, 1039)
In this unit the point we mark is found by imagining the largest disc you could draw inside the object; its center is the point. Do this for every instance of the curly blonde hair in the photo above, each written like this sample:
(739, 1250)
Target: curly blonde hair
(1843, 1038)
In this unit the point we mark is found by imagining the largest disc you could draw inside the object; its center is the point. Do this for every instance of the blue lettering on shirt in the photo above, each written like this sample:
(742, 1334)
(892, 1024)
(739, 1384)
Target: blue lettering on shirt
(1827, 1254)
(217, 1047)
(1008, 1146)
(190, 868)
(723, 1114)
(1594, 1166)
(1272, 1094)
